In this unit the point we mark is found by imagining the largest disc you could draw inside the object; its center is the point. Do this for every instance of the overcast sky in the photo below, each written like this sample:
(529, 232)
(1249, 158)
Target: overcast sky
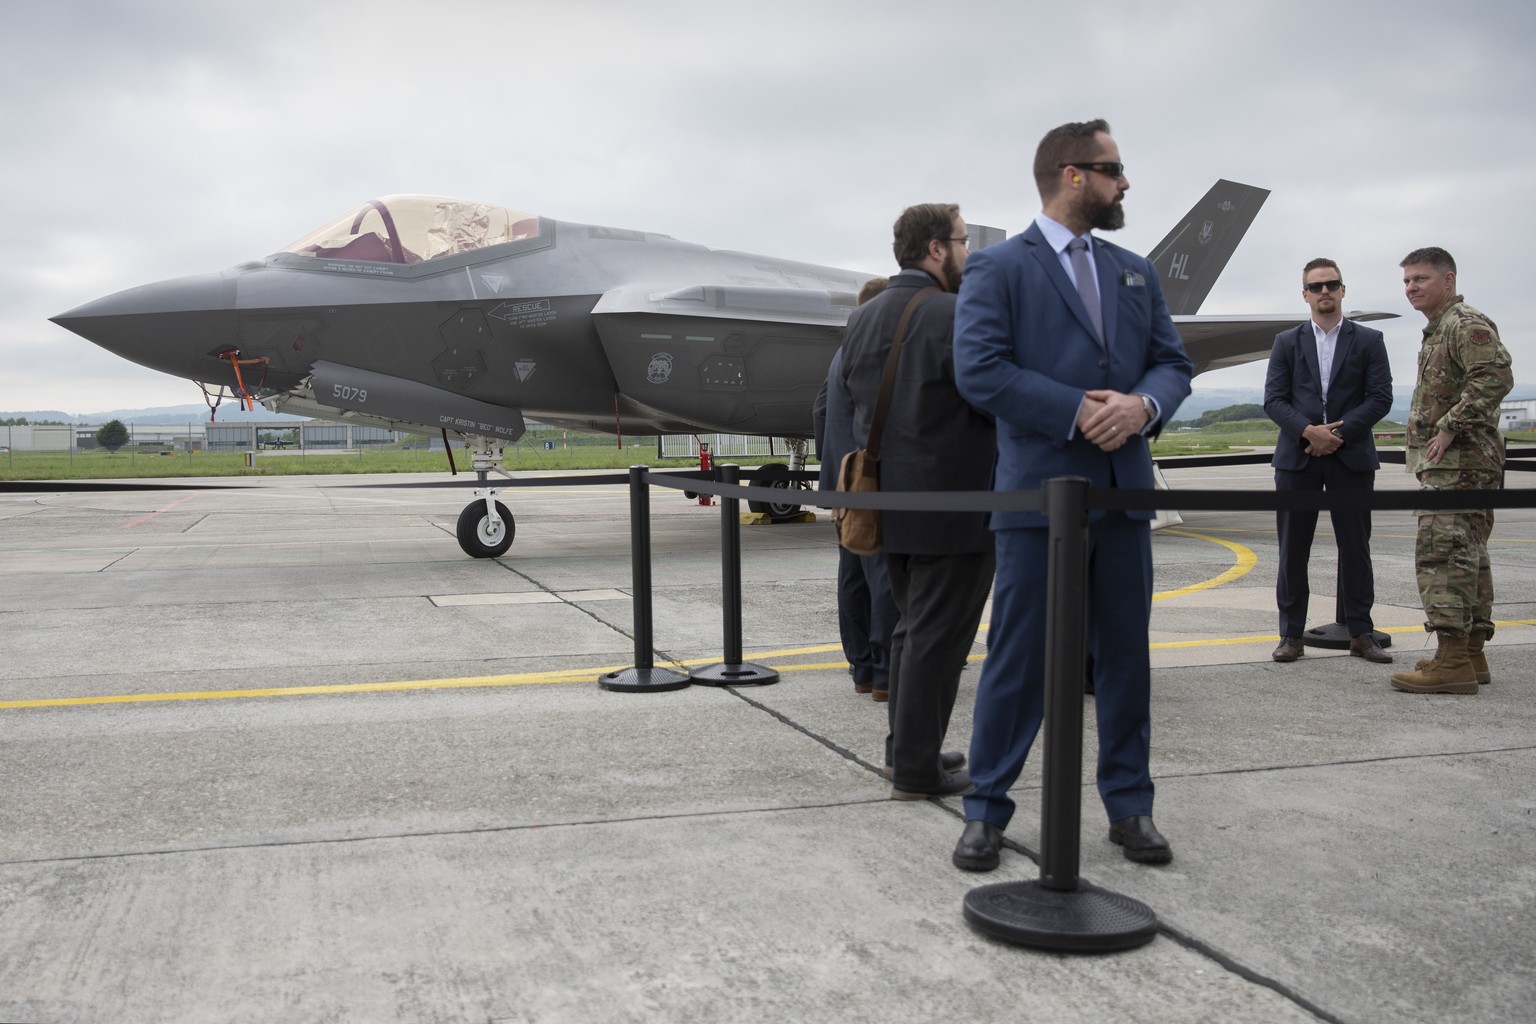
(148, 139)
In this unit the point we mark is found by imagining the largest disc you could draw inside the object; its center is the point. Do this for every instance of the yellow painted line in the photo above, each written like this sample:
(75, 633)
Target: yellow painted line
(523, 679)
(1233, 640)
(573, 675)
(1246, 560)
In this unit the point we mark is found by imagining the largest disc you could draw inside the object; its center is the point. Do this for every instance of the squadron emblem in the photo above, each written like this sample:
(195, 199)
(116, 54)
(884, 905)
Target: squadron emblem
(660, 369)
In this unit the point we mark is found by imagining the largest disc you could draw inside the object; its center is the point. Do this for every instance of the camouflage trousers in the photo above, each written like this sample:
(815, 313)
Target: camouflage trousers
(1451, 562)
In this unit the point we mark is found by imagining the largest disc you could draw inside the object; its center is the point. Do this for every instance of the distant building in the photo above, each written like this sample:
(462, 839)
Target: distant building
(1518, 415)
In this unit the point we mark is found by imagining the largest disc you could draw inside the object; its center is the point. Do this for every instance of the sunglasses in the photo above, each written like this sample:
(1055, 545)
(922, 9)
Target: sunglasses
(1318, 287)
(1113, 168)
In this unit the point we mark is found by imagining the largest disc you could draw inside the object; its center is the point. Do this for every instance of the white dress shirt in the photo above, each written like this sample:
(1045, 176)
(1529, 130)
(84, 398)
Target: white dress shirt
(1327, 342)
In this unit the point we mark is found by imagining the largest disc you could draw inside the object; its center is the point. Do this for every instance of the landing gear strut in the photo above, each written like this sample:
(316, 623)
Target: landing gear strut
(486, 528)
(777, 475)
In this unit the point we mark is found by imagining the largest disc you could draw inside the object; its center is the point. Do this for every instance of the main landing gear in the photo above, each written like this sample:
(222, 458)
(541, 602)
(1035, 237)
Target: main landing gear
(777, 475)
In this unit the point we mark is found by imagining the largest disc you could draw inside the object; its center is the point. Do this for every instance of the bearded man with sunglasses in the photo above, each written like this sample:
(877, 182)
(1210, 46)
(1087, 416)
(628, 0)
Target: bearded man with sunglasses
(1328, 385)
(1066, 339)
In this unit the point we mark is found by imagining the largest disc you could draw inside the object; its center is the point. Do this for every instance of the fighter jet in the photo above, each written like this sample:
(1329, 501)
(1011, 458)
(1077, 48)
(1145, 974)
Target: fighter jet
(428, 314)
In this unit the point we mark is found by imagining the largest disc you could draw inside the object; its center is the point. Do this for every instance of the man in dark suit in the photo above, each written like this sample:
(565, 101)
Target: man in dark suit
(1067, 341)
(1328, 384)
(939, 563)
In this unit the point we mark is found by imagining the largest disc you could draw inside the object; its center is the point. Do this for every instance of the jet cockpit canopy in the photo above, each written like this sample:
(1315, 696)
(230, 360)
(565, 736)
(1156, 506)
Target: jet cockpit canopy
(415, 229)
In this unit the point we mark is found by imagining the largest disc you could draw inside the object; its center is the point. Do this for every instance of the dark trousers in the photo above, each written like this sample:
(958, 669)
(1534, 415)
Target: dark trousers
(1351, 530)
(1010, 700)
(866, 617)
(939, 599)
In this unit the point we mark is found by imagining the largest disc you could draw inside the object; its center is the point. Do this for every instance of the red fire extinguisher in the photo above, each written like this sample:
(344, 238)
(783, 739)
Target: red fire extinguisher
(705, 465)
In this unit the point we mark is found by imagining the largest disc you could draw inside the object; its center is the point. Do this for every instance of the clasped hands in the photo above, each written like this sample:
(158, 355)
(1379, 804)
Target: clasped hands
(1108, 418)
(1321, 439)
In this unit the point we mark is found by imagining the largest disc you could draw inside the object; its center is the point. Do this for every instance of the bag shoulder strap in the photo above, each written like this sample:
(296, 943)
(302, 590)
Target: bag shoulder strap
(888, 379)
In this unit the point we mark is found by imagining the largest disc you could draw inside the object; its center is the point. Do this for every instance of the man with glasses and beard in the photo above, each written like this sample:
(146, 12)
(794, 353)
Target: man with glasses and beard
(1066, 340)
(939, 563)
(1328, 384)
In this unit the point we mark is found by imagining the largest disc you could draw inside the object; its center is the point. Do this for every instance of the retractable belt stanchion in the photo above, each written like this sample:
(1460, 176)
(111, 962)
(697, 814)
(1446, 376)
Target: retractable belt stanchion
(731, 670)
(1334, 635)
(1060, 912)
(644, 676)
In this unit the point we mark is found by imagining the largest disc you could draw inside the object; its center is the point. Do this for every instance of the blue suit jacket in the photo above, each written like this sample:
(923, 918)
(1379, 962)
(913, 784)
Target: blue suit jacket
(1025, 351)
(1359, 393)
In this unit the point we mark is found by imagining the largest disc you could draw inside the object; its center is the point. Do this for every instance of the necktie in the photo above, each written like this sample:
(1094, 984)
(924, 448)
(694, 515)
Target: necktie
(1087, 287)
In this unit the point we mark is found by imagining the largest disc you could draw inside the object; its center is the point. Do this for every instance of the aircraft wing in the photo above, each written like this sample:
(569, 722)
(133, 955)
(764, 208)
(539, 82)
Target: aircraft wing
(730, 301)
(1216, 342)
(726, 357)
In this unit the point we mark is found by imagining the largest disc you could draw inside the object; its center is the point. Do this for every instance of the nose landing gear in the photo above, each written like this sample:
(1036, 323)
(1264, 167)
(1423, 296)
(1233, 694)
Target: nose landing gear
(485, 527)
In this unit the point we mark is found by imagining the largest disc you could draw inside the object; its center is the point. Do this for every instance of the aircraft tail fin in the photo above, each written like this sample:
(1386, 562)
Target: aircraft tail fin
(1193, 255)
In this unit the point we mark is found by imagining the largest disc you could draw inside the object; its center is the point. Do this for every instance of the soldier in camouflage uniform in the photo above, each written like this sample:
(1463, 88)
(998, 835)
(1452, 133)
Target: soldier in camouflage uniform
(1454, 444)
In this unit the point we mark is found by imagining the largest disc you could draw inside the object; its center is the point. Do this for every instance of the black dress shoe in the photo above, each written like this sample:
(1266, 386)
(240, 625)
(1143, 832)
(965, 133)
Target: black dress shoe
(979, 846)
(949, 760)
(950, 784)
(1142, 841)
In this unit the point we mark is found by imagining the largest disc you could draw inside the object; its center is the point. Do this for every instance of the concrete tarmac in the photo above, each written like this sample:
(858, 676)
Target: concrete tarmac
(283, 753)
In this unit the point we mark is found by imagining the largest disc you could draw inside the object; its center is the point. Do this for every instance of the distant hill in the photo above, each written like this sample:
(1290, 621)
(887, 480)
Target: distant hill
(198, 413)
(1200, 400)
(1203, 400)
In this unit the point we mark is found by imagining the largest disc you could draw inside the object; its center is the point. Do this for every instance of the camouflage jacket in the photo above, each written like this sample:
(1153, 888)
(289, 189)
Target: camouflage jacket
(1464, 374)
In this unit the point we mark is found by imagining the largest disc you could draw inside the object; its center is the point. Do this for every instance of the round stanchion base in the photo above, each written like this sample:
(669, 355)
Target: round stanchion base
(726, 674)
(1085, 920)
(1335, 637)
(642, 680)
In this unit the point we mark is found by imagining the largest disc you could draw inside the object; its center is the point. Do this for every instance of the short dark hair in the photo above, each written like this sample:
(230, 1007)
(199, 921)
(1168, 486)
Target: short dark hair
(917, 226)
(1064, 144)
(1321, 261)
(1434, 256)
(874, 286)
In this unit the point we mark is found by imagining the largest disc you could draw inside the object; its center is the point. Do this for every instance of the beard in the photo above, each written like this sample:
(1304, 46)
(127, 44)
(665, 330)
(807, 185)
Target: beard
(1106, 215)
(951, 270)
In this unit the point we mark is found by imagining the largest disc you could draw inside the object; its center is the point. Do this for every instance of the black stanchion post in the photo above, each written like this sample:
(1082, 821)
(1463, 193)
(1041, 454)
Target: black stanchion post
(1066, 657)
(1060, 912)
(644, 676)
(732, 670)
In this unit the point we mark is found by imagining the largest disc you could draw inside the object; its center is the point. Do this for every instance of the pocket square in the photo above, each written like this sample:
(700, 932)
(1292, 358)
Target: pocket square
(1131, 279)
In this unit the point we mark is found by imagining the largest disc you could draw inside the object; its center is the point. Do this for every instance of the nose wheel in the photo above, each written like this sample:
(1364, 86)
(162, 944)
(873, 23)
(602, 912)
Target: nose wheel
(485, 529)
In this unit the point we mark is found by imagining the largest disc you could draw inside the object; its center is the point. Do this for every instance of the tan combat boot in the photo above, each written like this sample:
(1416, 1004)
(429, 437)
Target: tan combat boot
(1450, 672)
(1475, 640)
(1423, 664)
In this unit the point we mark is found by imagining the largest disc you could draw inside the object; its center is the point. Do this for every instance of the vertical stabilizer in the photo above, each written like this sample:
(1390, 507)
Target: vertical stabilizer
(1193, 255)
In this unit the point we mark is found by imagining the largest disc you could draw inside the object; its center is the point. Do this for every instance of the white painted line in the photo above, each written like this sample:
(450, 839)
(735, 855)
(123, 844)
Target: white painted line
(531, 597)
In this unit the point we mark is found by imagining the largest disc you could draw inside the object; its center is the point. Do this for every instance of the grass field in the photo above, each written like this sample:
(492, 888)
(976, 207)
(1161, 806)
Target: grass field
(586, 451)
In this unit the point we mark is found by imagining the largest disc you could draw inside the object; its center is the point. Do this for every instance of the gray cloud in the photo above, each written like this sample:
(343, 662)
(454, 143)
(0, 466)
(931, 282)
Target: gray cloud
(155, 139)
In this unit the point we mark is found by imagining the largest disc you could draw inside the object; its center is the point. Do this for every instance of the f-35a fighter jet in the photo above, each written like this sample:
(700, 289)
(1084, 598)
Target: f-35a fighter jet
(426, 313)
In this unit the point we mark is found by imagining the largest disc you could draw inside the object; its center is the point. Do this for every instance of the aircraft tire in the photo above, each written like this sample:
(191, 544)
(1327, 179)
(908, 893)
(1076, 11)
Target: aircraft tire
(774, 474)
(475, 537)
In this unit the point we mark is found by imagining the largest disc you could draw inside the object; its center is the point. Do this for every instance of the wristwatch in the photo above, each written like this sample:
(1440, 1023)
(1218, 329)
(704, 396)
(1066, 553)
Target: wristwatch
(1148, 405)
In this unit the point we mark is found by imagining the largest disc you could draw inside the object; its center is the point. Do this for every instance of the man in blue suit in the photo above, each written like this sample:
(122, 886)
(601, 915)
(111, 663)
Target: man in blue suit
(1067, 341)
(1328, 384)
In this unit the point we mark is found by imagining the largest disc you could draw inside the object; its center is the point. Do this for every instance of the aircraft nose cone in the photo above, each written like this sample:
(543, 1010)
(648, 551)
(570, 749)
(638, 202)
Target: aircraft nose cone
(169, 326)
